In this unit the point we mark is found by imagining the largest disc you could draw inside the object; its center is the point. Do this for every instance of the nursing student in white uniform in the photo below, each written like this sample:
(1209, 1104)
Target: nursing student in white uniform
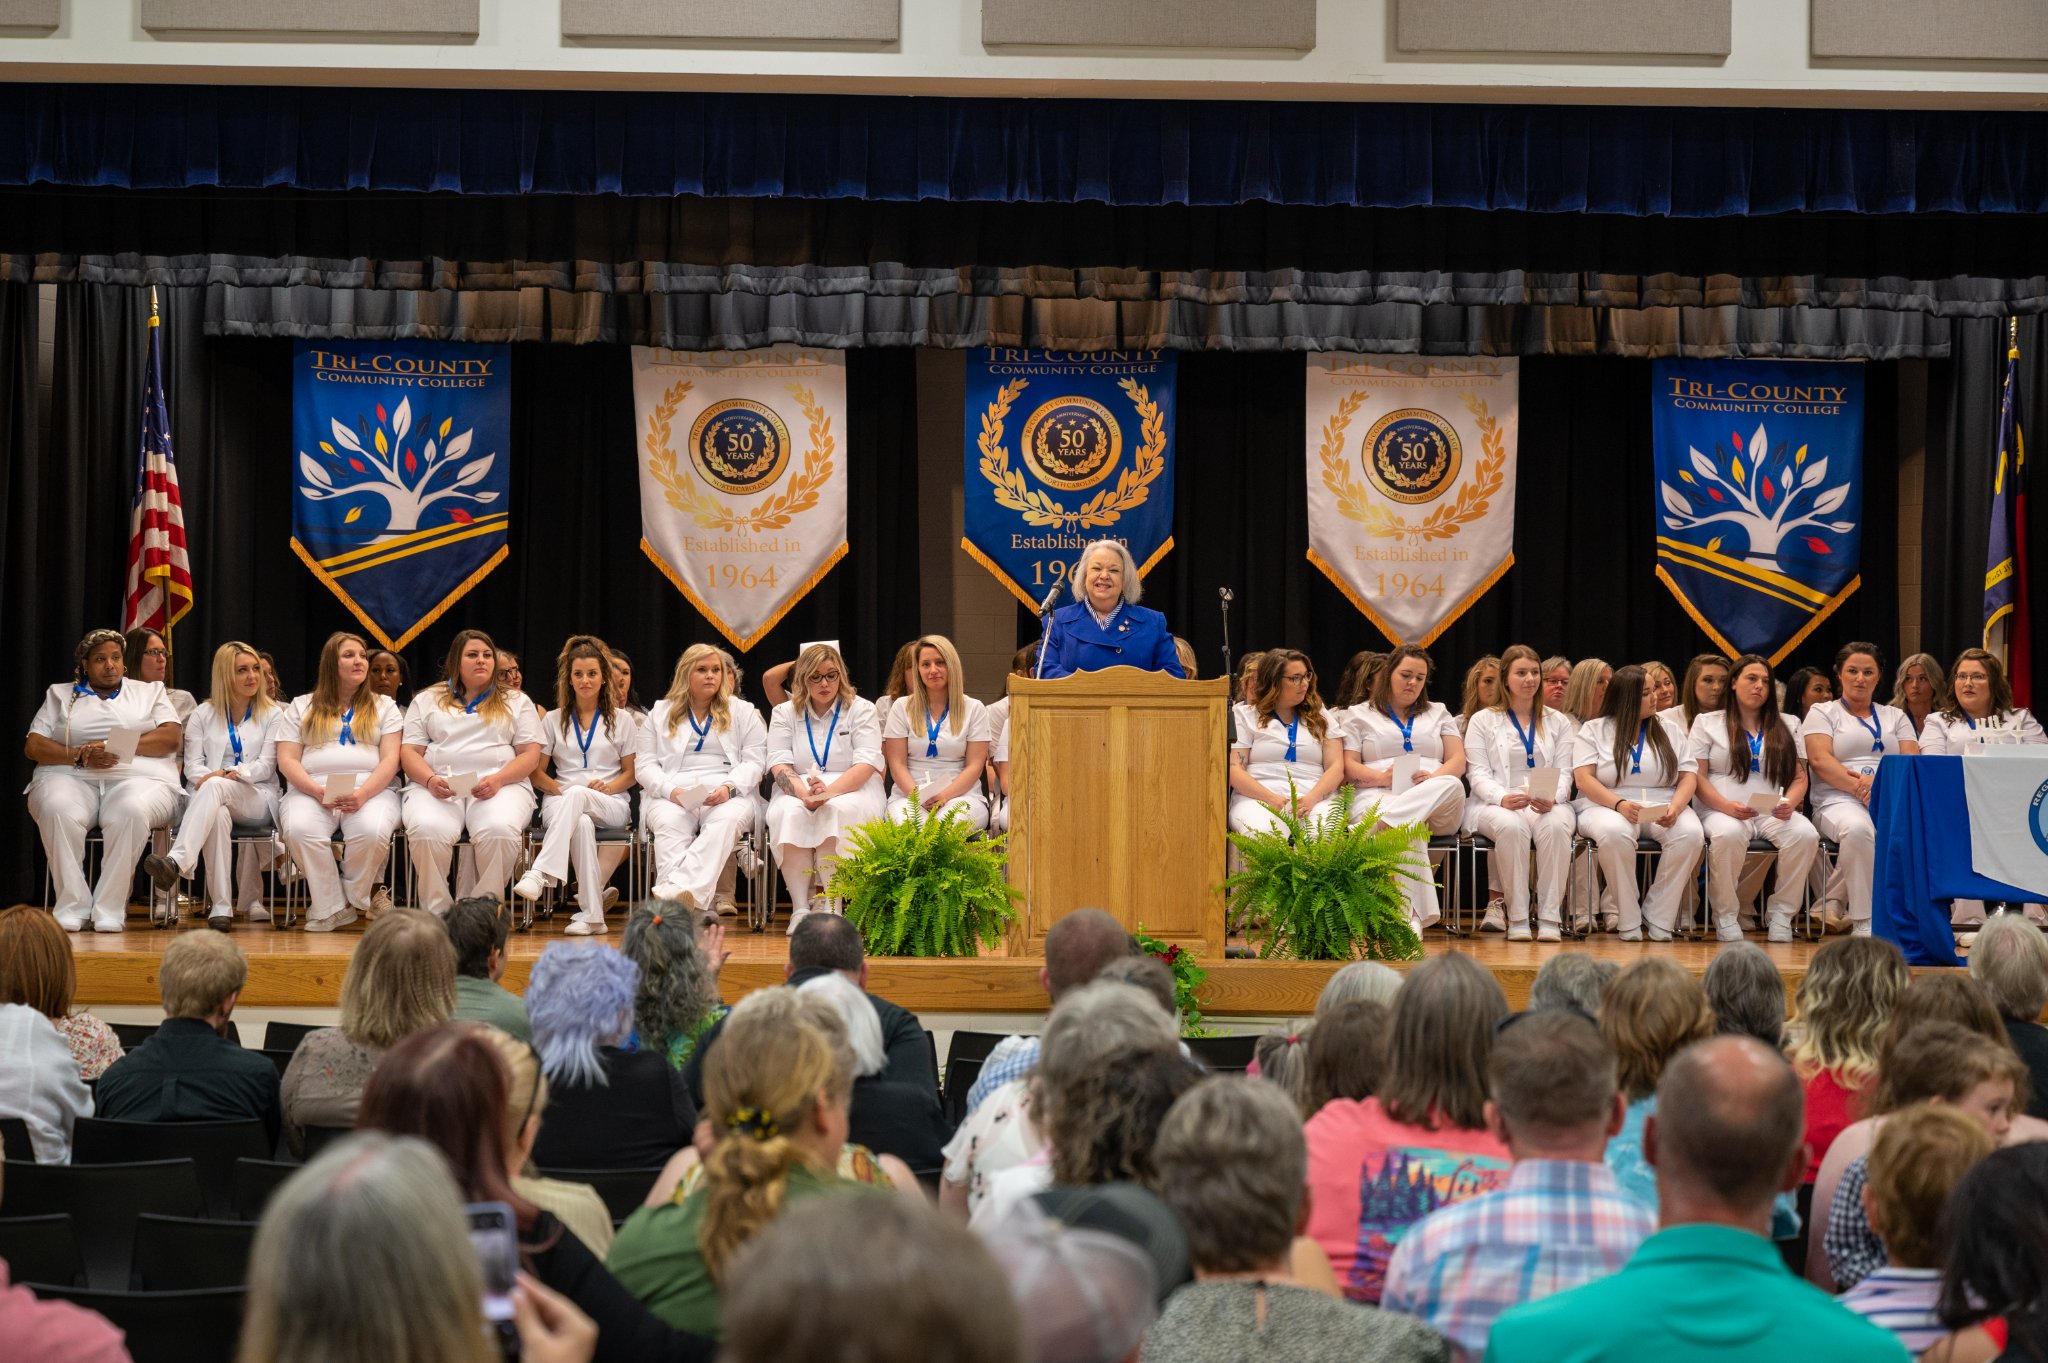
(231, 768)
(1977, 710)
(1518, 735)
(998, 713)
(1288, 754)
(584, 783)
(1399, 719)
(340, 727)
(468, 726)
(825, 755)
(700, 756)
(1845, 741)
(79, 783)
(1630, 762)
(935, 740)
(1752, 781)
(149, 660)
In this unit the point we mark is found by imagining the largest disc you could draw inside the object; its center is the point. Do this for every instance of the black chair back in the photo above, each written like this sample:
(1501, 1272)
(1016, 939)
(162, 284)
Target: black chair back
(318, 1138)
(14, 1135)
(167, 1327)
(623, 1190)
(281, 1059)
(133, 1034)
(964, 1057)
(254, 1181)
(103, 1201)
(178, 1254)
(1224, 1054)
(931, 1046)
(41, 1249)
(286, 1036)
(213, 1147)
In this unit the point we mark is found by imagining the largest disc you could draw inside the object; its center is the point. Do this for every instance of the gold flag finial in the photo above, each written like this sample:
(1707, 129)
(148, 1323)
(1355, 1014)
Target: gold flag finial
(152, 305)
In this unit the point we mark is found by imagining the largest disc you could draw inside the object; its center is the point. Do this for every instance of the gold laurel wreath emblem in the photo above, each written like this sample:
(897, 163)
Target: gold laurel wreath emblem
(1354, 502)
(684, 491)
(1133, 485)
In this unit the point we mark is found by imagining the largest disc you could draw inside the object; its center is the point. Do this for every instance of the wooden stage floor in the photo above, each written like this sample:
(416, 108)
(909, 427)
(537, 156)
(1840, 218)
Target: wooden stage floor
(293, 969)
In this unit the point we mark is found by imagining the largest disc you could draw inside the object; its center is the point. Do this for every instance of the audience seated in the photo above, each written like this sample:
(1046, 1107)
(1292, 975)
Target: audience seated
(613, 1108)
(1084, 1296)
(871, 1281)
(1844, 1002)
(1561, 1221)
(776, 1089)
(1347, 1053)
(1920, 1156)
(1373, 980)
(448, 1086)
(189, 1071)
(1746, 993)
(1002, 1153)
(364, 1256)
(1994, 1242)
(1377, 1166)
(51, 1331)
(1655, 1010)
(1725, 1141)
(1076, 949)
(676, 1002)
(478, 926)
(39, 1073)
(1230, 1161)
(1281, 1058)
(886, 1116)
(400, 980)
(576, 1205)
(2010, 959)
(1572, 979)
(34, 973)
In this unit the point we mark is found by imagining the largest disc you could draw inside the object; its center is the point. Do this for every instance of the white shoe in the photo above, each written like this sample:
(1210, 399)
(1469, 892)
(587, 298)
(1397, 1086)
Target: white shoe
(724, 906)
(110, 925)
(1495, 919)
(1518, 932)
(380, 901)
(332, 921)
(257, 914)
(796, 916)
(1728, 932)
(1610, 922)
(1783, 933)
(1549, 933)
(72, 920)
(611, 898)
(1657, 934)
(1633, 935)
(667, 889)
(531, 886)
(583, 927)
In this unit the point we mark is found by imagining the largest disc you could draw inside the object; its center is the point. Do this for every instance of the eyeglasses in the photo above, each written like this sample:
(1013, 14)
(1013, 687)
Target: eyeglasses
(156, 653)
(824, 676)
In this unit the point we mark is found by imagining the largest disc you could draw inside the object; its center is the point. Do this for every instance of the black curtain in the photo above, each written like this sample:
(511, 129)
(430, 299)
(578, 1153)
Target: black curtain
(1963, 400)
(1583, 583)
(575, 562)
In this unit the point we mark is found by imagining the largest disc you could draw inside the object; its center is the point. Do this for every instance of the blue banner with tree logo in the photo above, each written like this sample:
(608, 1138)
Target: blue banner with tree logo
(1759, 495)
(1064, 448)
(402, 474)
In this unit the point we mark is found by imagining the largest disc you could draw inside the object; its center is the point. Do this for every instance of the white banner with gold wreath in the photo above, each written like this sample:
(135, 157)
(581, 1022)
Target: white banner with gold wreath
(1411, 483)
(742, 480)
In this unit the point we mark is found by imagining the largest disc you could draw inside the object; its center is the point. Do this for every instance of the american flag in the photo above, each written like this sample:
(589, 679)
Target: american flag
(159, 571)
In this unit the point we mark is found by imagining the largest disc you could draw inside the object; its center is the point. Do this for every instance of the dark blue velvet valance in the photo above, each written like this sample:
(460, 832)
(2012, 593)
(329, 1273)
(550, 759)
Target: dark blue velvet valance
(1676, 162)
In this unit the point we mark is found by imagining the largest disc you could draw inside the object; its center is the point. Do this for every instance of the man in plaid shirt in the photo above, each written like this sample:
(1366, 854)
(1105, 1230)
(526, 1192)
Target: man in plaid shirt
(1561, 1221)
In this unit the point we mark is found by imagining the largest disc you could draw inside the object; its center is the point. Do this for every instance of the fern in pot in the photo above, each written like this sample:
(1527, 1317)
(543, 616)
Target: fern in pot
(1327, 890)
(924, 886)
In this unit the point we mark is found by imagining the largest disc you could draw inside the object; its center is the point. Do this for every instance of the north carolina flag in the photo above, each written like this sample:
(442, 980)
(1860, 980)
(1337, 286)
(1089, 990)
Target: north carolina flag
(2006, 608)
(159, 571)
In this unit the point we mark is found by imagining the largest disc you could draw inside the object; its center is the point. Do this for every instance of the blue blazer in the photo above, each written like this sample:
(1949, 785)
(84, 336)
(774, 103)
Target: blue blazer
(1135, 638)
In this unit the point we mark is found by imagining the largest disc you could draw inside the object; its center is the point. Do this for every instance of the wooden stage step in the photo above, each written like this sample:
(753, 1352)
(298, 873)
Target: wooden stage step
(293, 969)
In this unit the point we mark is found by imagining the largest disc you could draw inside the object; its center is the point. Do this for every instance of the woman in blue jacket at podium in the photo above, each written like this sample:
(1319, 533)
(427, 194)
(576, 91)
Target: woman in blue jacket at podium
(1106, 627)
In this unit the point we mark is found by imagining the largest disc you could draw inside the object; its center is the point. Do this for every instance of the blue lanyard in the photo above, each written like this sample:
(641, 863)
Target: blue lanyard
(932, 727)
(1407, 731)
(584, 740)
(831, 732)
(85, 689)
(1528, 739)
(1756, 748)
(1873, 728)
(481, 696)
(348, 734)
(702, 734)
(235, 739)
(1635, 754)
(1292, 725)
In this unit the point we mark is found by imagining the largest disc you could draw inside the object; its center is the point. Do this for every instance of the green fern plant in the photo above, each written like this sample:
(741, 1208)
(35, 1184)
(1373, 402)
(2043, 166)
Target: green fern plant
(1326, 890)
(924, 886)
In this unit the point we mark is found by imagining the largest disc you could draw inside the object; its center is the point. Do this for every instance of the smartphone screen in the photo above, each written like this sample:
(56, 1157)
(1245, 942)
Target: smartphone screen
(496, 1237)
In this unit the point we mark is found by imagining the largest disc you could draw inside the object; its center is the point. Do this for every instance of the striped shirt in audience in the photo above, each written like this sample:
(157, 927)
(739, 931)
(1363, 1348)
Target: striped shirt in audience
(1902, 1301)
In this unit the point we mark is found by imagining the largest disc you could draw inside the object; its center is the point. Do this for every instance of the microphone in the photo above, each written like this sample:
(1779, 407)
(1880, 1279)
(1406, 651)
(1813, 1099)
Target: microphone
(1051, 597)
(1224, 597)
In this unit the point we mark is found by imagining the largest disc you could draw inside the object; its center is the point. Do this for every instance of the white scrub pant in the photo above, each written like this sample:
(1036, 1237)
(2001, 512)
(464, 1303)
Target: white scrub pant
(1728, 843)
(207, 828)
(497, 828)
(65, 806)
(1515, 833)
(971, 807)
(569, 839)
(309, 829)
(1614, 848)
(692, 846)
(1250, 816)
(1439, 805)
(1846, 823)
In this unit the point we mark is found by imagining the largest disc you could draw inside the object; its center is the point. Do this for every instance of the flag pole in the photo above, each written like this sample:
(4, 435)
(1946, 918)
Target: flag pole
(170, 649)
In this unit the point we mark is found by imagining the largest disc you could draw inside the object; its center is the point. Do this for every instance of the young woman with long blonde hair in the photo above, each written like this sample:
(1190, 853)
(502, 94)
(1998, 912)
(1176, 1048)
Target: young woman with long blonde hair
(935, 740)
(700, 758)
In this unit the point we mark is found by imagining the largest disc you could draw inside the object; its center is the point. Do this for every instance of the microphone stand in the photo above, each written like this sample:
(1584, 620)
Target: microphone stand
(1225, 596)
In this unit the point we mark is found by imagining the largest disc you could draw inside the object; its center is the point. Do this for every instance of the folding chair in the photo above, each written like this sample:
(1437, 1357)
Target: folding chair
(254, 1181)
(182, 1254)
(213, 1148)
(42, 1249)
(167, 1327)
(103, 1201)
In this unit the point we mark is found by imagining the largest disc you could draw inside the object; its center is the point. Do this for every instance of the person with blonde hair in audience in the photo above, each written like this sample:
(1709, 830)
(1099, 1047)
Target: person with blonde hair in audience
(39, 1073)
(188, 1070)
(1844, 1003)
(1377, 1166)
(2010, 960)
(1654, 1009)
(1747, 993)
(400, 980)
(884, 1115)
(1586, 692)
(364, 1256)
(776, 1090)
(1917, 690)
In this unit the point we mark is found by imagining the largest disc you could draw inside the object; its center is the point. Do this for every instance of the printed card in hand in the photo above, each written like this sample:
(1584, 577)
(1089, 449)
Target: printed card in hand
(121, 743)
(340, 784)
(461, 782)
(1402, 773)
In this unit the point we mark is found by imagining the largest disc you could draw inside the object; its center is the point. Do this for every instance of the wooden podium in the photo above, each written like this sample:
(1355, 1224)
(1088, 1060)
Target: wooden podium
(1118, 802)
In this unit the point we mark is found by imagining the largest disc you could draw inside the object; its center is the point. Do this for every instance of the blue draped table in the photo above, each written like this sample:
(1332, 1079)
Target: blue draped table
(1923, 857)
